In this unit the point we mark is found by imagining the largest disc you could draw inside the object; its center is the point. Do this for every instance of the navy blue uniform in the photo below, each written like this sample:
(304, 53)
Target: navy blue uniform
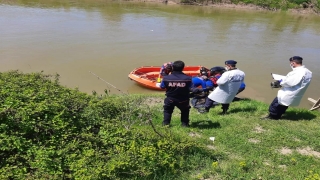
(276, 109)
(177, 86)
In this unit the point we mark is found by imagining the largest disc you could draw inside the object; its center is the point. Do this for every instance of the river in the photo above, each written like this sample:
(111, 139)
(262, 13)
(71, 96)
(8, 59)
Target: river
(110, 39)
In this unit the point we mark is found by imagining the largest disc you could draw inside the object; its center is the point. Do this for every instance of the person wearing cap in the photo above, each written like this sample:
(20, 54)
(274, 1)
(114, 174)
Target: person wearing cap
(293, 87)
(228, 86)
(216, 73)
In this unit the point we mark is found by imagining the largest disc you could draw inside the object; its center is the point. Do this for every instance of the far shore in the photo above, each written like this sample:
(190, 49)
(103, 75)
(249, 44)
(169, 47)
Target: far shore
(305, 11)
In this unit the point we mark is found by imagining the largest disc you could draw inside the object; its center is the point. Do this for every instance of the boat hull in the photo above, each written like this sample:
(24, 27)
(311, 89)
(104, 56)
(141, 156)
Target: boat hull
(147, 76)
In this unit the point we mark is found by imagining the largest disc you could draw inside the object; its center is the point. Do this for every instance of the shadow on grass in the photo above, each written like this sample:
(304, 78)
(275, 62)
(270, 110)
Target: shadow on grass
(240, 99)
(205, 124)
(245, 109)
(296, 116)
(235, 110)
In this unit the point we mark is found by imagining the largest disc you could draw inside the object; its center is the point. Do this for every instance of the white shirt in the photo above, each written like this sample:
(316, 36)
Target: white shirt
(294, 85)
(228, 86)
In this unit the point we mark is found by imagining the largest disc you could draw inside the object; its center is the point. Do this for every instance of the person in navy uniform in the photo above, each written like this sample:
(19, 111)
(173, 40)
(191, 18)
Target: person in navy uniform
(178, 86)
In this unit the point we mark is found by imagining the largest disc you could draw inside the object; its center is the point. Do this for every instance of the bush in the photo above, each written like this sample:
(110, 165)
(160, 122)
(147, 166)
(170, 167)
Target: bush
(48, 131)
(272, 4)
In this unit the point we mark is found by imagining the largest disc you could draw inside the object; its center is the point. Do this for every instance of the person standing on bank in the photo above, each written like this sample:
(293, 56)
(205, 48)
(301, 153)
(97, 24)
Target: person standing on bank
(228, 86)
(177, 85)
(293, 86)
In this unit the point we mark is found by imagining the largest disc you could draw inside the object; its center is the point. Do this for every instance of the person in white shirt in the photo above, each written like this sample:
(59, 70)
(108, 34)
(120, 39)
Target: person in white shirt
(293, 87)
(228, 86)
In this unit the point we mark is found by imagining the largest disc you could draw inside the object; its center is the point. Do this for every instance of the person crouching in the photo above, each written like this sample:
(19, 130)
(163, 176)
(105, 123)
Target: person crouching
(228, 86)
(293, 87)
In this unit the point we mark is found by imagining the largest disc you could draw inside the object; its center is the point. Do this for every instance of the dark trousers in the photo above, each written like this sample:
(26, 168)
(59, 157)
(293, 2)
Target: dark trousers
(168, 107)
(276, 110)
(209, 103)
(240, 90)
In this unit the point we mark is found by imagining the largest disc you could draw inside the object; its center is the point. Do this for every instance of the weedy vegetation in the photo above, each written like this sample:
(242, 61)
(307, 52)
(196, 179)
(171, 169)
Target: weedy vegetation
(266, 4)
(48, 131)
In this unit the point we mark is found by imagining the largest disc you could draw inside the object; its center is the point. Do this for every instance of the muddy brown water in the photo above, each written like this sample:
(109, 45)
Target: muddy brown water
(110, 39)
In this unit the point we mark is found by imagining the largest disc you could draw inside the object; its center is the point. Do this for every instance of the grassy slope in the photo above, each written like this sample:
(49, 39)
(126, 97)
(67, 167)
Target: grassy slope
(50, 131)
(250, 148)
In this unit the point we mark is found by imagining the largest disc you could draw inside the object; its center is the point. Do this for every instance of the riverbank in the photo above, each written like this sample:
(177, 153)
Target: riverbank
(292, 6)
(302, 8)
(49, 131)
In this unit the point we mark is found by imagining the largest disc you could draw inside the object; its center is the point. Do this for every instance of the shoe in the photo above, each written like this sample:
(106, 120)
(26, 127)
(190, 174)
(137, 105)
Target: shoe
(202, 111)
(165, 124)
(269, 117)
(185, 125)
(224, 112)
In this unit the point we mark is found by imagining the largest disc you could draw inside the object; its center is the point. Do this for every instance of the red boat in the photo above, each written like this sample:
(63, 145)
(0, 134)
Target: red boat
(147, 75)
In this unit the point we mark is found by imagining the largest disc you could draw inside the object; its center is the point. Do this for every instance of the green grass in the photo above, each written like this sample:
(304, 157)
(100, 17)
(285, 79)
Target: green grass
(250, 148)
(48, 131)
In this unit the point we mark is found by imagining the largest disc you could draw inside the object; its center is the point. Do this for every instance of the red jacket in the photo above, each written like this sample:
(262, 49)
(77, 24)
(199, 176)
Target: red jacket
(214, 79)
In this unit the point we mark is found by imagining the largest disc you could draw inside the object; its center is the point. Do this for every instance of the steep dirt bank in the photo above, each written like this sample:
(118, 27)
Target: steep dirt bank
(229, 5)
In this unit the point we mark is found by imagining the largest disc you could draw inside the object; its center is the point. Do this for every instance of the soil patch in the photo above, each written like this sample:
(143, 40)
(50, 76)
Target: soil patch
(255, 141)
(285, 151)
(302, 11)
(193, 134)
(267, 163)
(284, 167)
(296, 139)
(211, 147)
(308, 152)
(259, 129)
(238, 6)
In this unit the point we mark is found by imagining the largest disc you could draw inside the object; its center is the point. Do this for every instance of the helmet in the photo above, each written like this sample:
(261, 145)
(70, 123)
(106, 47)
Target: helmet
(203, 69)
(169, 67)
(217, 68)
(204, 73)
